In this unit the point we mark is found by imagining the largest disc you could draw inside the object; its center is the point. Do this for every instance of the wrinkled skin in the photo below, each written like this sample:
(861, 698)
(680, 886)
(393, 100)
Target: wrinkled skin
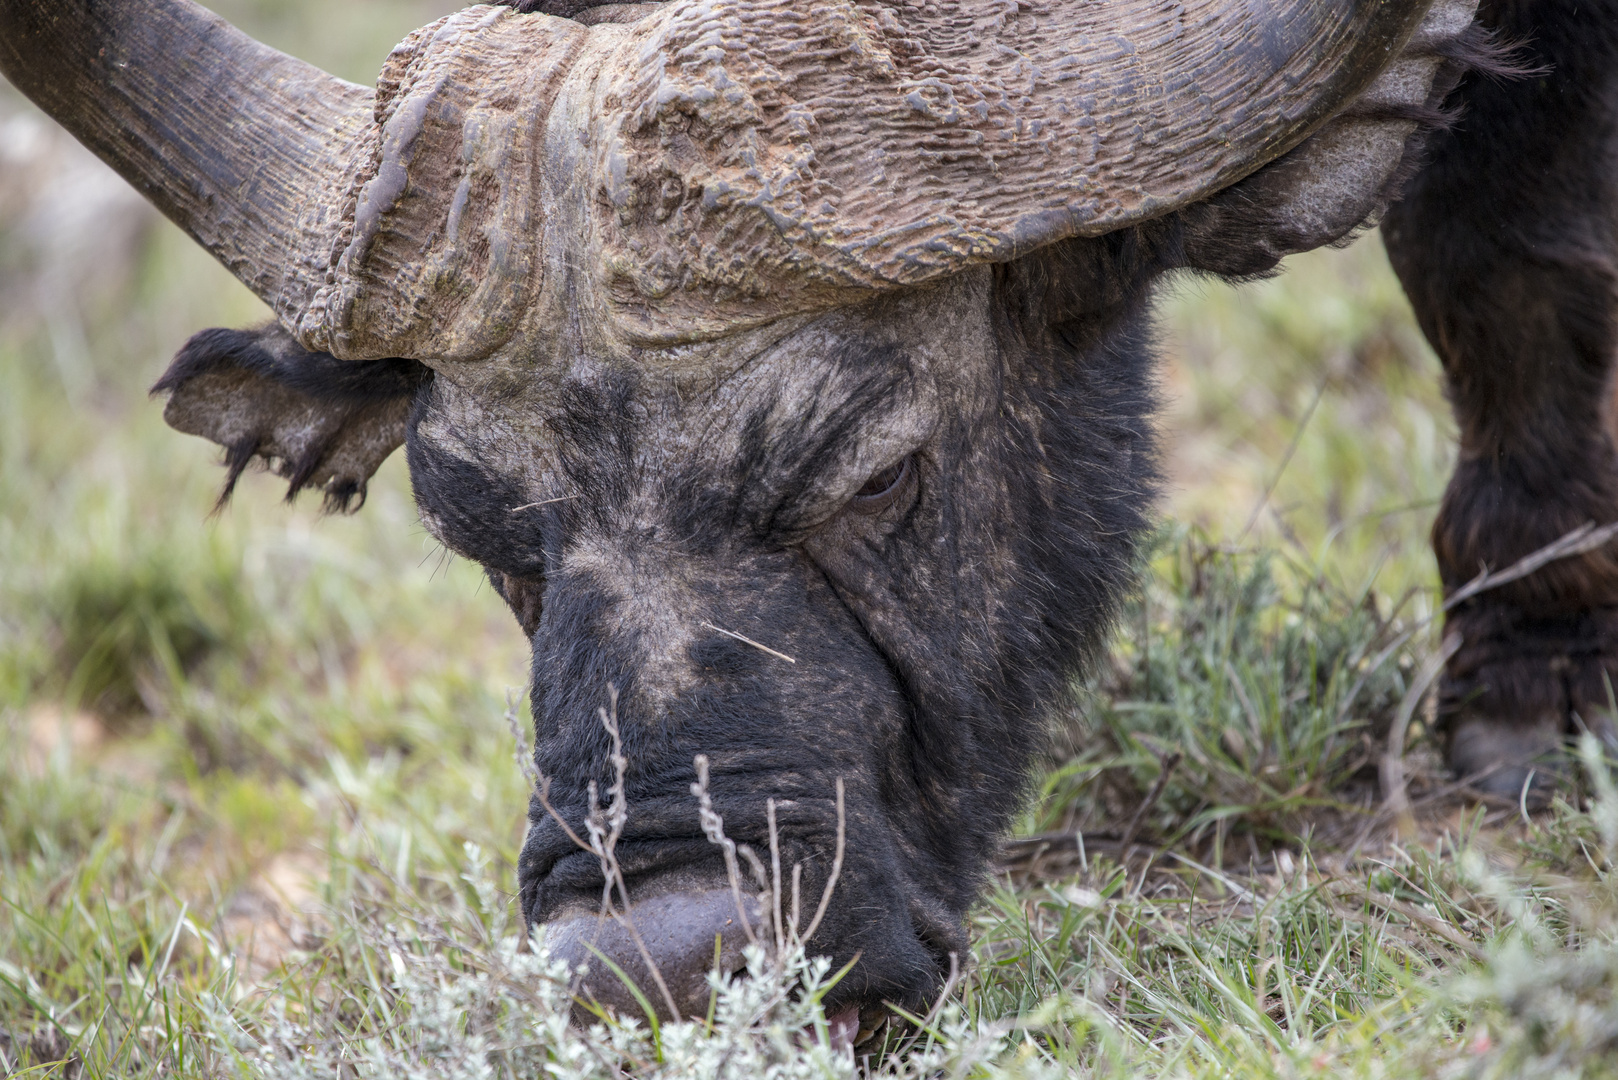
(927, 621)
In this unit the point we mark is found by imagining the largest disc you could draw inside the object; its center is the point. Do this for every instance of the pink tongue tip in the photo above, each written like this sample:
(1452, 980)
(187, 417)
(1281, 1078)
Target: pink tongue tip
(843, 1027)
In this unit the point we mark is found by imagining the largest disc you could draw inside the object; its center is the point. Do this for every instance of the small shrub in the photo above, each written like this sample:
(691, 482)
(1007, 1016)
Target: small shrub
(126, 627)
(1267, 702)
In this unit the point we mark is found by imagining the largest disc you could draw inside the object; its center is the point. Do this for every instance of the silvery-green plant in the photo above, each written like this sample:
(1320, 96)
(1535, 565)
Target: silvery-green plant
(444, 1011)
(1546, 999)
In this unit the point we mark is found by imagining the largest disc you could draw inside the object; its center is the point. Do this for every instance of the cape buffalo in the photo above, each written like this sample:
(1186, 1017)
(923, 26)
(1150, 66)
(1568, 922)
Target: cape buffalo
(787, 366)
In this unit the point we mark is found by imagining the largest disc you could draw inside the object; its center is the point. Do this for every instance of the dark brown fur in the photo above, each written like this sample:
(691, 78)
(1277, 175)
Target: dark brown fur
(1507, 244)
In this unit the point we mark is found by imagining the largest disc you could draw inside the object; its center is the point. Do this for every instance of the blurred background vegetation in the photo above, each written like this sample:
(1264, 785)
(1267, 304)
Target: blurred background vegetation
(270, 729)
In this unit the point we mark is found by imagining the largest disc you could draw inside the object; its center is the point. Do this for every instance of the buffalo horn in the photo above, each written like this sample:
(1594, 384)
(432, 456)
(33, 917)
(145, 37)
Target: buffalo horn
(243, 147)
(772, 156)
(713, 166)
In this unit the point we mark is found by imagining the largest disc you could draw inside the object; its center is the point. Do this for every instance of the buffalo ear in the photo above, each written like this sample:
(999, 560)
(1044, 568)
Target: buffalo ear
(1341, 179)
(317, 421)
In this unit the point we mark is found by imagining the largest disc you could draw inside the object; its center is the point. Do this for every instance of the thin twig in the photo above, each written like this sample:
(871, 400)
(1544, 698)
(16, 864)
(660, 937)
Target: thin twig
(760, 875)
(797, 898)
(775, 880)
(544, 794)
(1397, 802)
(1579, 541)
(1166, 767)
(538, 781)
(836, 869)
(525, 761)
(747, 640)
(528, 770)
(1416, 916)
(713, 827)
(606, 828)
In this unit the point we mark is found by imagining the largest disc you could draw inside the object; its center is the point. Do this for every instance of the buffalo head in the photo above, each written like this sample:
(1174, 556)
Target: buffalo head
(784, 364)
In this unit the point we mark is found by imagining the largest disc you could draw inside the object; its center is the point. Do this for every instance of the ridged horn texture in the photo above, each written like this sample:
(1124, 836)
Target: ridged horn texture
(756, 154)
(723, 163)
(438, 257)
(717, 165)
(234, 141)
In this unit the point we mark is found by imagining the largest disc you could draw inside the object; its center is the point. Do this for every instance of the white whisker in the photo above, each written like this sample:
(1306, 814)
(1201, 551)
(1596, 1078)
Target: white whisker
(543, 502)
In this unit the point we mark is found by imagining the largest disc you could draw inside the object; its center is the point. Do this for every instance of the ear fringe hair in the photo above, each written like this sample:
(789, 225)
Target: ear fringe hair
(1480, 49)
(346, 497)
(237, 458)
(352, 385)
(1476, 50)
(316, 375)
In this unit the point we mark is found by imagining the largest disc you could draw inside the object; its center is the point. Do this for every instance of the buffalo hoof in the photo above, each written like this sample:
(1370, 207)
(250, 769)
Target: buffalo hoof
(1508, 758)
(1519, 688)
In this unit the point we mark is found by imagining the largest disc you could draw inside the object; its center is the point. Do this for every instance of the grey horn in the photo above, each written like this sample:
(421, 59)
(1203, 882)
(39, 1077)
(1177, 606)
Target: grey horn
(772, 156)
(245, 148)
(714, 166)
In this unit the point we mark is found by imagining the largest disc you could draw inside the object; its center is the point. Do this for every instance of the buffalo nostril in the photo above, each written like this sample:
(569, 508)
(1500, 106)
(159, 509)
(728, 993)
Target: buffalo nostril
(678, 930)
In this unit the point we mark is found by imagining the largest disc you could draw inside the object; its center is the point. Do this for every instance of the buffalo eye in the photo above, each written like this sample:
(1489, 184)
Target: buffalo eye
(524, 595)
(881, 489)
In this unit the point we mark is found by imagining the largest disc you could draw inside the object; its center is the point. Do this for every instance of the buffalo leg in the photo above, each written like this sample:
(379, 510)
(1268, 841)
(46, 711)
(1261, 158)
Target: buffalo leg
(1507, 245)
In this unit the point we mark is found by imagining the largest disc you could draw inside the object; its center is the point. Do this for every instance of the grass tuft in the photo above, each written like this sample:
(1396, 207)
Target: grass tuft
(128, 624)
(1264, 689)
